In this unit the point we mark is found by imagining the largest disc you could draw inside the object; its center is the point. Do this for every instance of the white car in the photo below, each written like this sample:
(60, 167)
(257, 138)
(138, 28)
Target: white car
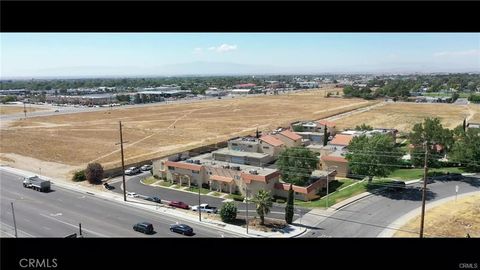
(132, 195)
(205, 208)
(145, 167)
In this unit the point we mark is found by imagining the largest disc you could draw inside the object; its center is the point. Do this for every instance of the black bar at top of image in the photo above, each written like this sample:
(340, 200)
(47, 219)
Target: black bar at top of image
(172, 253)
(229, 16)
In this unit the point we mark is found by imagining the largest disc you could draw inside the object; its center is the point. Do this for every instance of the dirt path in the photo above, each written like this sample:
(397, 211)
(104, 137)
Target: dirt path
(357, 111)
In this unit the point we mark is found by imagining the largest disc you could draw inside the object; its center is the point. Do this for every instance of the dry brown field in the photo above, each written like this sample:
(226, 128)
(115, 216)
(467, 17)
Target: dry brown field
(403, 116)
(158, 130)
(451, 219)
(6, 109)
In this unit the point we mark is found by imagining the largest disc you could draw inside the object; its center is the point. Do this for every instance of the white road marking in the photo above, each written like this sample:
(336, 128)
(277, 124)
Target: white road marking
(74, 226)
(56, 215)
(2, 225)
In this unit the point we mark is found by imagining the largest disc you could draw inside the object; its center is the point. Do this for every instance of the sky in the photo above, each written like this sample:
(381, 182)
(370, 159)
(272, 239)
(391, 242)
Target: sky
(137, 54)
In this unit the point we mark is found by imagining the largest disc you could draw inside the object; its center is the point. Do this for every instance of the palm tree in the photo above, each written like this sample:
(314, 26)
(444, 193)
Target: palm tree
(263, 201)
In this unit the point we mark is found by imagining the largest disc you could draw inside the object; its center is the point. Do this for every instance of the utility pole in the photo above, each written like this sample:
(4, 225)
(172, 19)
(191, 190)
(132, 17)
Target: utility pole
(123, 163)
(25, 110)
(424, 192)
(246, 200)
(80, 229)
(199, 209)
(14, 222)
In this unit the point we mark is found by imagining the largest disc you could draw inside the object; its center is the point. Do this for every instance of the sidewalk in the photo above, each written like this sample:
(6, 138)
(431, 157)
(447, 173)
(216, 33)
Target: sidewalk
(289, 231)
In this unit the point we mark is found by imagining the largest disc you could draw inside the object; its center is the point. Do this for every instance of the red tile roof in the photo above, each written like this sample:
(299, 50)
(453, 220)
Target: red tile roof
(271, 140)
(221, 178)
(246, 85)
(182, 165)
(291, 135)
(341, 139)
(247, 178)
(327, 123)
(334, 158)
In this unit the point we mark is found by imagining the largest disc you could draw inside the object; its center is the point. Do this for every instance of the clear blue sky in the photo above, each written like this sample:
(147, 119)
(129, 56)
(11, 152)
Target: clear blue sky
(38, 54)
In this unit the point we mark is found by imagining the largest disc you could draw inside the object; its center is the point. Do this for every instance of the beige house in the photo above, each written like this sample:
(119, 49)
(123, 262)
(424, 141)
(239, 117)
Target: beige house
(271, 145)
(289, 138)
(309, 192)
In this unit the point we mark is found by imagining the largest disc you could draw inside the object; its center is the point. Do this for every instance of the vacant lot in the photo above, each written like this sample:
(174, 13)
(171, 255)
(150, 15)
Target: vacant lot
(451, 219)
(10, 109)
(474, 113)
(159, 130)
(403, 116)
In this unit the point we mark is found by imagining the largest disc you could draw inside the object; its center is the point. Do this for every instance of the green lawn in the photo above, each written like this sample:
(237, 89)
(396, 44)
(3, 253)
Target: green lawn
(344, 194)
(412, 174)
(216, 194)
(235, 197)
(195, 189)
(165, 184)
(149, 180)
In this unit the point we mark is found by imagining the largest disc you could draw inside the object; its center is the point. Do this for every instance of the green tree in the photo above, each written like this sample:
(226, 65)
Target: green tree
(429, 134)
(228, 212)
(7, 99)
(94, 173)
(296, 164)
(466, 149)
(79, 176)
(363, 127)
(289, 208)
(373, 156)
(263, 202)
(325, 135)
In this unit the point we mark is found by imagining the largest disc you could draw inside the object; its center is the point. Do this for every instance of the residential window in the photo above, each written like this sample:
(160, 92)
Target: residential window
(171, 168)
(195, 172)
(266, 147)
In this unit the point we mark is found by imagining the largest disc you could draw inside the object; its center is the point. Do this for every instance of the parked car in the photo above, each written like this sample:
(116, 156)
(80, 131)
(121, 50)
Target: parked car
(132, 171)
(146, 167)
(108, 186)
(143, 227)
(154, 199)
(181, 228)
(132, 195)
(205, 208)
(178, 204)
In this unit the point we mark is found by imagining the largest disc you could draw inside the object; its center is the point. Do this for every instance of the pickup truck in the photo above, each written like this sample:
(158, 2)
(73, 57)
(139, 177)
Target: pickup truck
(36, 183)
(205, 208)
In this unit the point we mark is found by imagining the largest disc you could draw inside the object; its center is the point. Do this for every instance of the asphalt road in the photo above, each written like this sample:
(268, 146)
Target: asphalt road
(368, 217)
(58, 213)
(134, 185)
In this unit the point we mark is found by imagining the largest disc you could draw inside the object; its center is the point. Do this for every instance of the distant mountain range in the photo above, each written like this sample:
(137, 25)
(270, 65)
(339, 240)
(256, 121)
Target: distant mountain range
(224, 68)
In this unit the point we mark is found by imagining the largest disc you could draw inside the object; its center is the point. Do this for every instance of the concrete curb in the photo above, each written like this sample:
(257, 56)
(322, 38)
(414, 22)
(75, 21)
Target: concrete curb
(401, 221)
(169, 212)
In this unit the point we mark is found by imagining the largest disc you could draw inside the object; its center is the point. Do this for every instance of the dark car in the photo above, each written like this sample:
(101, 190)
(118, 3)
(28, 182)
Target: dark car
(178, 204)
(396, 186)
(154, 199)
(107, 186)
(182, 229)
(143, 227)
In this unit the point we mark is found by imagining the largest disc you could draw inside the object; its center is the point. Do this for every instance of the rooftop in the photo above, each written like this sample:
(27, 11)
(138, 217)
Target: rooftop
(226, 151)
(341, 139)
(292, 135)
(271, 140)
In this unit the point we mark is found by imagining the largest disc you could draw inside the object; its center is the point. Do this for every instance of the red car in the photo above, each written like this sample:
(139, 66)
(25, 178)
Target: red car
(179, 204)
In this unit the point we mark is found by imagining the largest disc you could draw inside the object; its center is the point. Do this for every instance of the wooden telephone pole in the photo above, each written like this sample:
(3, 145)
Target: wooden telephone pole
(123, 163)
(424, 191)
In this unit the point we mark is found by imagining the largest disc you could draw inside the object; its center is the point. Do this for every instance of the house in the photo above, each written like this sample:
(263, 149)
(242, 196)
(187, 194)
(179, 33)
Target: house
(331, 127)
(289, 138)
(241, 91)
(271, 145)
(314, 126)
(341, 139)
(336, 160)
(245, 85)
(318, 182)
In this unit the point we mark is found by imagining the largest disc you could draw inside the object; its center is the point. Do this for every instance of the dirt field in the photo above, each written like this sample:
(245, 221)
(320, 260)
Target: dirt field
(474, 113)
(403, 116)
(158, 130)
(10, 109)
(451, 219)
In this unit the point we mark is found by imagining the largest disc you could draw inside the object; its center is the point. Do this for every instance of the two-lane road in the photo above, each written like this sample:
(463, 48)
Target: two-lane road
(58, 213)
(369, 216)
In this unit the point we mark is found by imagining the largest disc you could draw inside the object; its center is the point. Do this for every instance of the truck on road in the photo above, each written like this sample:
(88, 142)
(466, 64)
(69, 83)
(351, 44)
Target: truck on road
(36, 183)
(205, 208)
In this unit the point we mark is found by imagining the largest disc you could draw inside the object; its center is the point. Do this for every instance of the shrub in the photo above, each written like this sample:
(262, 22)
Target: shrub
(79, 176)
(228, 213)
(236, 197)
(280, 200)
(94, 173)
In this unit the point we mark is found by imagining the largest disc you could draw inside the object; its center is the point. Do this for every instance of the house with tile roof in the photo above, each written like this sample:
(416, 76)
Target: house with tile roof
(290, 138)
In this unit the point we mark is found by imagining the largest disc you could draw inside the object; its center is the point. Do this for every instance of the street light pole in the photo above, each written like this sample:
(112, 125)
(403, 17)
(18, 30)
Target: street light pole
(123, 164)
(246, 200)
(14, 222)
(424, 192)
(199, 209)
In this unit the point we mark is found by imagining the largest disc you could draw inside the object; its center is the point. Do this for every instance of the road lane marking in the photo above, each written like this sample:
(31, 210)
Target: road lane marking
(56, 215)
(2, 225)
(74, 226)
